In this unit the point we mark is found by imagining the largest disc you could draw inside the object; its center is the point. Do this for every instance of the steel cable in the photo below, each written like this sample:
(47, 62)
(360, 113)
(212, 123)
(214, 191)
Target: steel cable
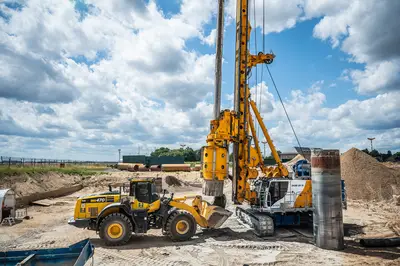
(255, 52)
(287, 115)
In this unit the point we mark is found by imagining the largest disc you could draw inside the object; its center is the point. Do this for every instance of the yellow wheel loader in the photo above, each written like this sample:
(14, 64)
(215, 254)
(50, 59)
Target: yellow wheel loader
(115, 215)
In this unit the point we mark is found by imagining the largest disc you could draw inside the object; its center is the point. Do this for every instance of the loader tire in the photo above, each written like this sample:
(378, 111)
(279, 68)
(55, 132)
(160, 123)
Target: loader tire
(115, 229)
(180, 226)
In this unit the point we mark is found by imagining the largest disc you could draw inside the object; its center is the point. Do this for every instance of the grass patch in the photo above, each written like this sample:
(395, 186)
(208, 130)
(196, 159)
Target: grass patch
(6, 171)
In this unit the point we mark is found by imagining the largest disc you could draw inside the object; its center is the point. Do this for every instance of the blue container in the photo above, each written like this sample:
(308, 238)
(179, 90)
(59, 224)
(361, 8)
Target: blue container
(77, 255)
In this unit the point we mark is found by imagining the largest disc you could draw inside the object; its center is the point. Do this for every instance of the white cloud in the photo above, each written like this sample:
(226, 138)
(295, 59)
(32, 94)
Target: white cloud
(379, 77)
(74, 85)
(332, 85)
(147, 87)
(366, 30)
(316, 8)
(342, 127)
(211, 38)
(279, 15)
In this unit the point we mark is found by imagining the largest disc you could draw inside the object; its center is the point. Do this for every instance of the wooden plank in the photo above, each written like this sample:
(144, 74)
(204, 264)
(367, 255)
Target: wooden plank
(44, 203)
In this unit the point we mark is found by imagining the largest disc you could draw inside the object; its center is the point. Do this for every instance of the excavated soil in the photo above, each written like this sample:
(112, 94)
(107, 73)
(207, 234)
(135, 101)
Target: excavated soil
(395, 165)
(40, 186)
(233, 244)
(173, 181)
(368, 179)
(50, 185)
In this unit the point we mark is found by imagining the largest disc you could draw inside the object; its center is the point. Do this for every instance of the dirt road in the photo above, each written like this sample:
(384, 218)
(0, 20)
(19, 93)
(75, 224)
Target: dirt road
(233, 244)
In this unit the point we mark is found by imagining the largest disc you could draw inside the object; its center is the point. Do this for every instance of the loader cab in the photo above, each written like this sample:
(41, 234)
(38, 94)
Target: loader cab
(143, 193)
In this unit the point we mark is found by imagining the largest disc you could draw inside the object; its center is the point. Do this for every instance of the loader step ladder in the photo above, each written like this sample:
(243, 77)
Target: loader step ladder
(10, 221)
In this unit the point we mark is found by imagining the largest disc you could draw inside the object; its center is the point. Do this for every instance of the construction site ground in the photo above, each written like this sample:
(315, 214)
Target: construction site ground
(233, 244)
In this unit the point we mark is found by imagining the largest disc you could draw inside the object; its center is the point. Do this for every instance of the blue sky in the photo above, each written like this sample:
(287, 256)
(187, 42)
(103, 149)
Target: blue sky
(80, 79)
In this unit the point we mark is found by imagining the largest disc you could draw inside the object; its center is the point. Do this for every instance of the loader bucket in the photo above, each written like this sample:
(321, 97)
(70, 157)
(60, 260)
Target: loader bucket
(216, 216)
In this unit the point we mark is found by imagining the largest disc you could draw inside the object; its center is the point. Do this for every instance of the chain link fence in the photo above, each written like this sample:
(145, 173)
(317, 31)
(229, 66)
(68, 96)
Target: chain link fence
(38, 162)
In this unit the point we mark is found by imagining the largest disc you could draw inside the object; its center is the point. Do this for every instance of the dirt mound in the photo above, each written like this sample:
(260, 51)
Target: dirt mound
(173, 181)
(394, 225)
(366, 178)
(392, 165)
(40, 186)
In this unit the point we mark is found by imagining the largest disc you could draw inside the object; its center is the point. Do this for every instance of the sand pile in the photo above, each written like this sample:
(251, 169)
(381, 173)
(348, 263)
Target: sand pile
(392, 165)
(366, 178)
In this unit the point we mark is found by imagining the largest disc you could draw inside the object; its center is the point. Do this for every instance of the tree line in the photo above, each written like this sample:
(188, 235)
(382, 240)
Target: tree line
(188, 153)
(383, 157)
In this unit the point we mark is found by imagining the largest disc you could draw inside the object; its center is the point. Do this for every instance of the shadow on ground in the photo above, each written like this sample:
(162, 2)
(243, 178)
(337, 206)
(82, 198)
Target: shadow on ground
(292, 234)
(352, 229)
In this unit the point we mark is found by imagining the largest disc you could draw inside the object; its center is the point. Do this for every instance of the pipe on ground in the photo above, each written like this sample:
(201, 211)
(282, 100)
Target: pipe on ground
(380, 242)
(175, 167)
(155, 168)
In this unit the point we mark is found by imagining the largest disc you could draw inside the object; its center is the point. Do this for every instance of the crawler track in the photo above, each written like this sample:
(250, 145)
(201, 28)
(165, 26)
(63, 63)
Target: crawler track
(261, 224)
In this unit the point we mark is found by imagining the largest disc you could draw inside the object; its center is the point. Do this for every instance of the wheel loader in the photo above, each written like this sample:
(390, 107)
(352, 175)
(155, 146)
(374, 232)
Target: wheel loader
(115, 215)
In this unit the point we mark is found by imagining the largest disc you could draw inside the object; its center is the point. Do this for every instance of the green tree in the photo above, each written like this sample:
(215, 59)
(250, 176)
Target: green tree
(160, 152)
(198, 155)
(366, 151)
(188, 153)
(375, 153)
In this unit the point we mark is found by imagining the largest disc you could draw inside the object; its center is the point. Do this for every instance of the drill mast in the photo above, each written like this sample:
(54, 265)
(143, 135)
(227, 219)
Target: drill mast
(235, 127)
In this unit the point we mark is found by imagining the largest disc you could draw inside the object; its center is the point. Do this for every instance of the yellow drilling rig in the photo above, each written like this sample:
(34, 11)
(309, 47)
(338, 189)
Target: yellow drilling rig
(273, 198)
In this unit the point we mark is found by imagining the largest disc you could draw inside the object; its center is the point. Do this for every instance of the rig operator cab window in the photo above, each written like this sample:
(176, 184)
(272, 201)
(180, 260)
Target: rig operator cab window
(276, 191)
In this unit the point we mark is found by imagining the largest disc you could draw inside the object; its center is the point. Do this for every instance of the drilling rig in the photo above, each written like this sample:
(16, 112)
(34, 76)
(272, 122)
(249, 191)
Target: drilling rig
(272, 198)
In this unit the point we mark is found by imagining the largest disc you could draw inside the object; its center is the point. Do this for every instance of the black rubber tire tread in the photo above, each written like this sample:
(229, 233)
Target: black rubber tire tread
(171, 223)
(127, 226)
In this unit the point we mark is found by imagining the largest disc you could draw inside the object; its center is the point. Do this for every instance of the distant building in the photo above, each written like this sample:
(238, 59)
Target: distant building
(305, 151)
(287, 156)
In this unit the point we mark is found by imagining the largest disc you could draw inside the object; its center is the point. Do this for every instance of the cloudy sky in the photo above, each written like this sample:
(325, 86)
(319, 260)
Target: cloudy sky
(81, 79)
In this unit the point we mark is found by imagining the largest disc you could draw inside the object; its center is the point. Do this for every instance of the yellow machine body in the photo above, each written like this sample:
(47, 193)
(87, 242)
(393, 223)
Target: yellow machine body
(237, 127)
(88, 207)
(114, 214)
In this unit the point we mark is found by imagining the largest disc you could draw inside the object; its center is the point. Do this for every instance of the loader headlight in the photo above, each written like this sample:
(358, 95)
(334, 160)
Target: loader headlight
(83, 205)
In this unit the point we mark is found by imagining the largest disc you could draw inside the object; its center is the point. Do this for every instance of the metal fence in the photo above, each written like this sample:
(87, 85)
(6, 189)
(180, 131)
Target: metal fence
(38, 162)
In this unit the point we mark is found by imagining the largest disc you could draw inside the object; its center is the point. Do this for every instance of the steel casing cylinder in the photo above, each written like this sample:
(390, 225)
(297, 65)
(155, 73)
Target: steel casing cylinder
(326, 197)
